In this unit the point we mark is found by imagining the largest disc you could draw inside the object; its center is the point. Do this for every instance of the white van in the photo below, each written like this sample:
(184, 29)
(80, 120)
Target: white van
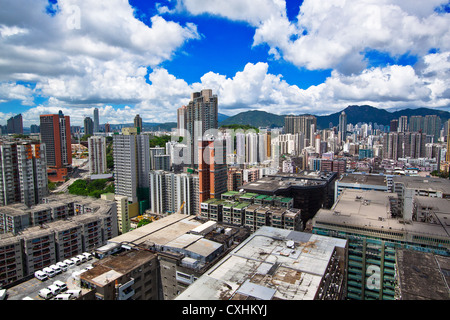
(76, 260)
(74, 293)
(69, 262)
(54, 289)
(41, 275)
(82, 257)
(62, 286)
(63, 296)
(62, 265)
(49, 272)
(45, 293)
(56, 268)
(87, 255)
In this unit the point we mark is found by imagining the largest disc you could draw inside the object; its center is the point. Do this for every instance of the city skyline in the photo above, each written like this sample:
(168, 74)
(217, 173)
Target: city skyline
(140, 57)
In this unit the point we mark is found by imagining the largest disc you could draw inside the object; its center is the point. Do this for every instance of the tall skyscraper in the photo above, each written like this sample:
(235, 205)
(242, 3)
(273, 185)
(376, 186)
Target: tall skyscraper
(301, 124)
(88, 126)
(24, 173)
(415, 123)
(169, 190)
(201, 115)
(403, 144)
(15, 124)
(402, 124)
(55, 134)
(212, 168)
(447, 156)
(393, 125)
(97, 155)
(96, 121)
(131, 153)
(138, 123)
(432, 126)
(342, 126)
(181, 120)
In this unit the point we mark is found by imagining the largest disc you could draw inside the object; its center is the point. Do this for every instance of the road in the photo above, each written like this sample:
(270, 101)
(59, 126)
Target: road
(81, 172)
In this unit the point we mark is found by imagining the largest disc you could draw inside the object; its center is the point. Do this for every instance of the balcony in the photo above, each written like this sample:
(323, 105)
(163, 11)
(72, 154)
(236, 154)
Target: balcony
(125, 291)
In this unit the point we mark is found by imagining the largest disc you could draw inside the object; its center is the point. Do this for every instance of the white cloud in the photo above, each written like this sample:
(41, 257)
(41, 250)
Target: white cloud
(335, 34)
(330, 34)
(12, 91)
(252, 11)
(87, 51)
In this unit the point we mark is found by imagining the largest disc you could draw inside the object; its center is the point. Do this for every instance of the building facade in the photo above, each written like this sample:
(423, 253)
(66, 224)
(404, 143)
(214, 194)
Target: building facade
(97, 155)
(23, 170)
(55, 134)
(131, 153)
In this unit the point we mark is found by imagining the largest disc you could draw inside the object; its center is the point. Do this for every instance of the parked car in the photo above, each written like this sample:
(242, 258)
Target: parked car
(76, 260)
(49, 272)
(3, 294)
(62, 286)
(62, 265)
(87, 255)
(69, 263)
(63, 296)
(45, 293)
(41, 275)
(82, 257)
(56, 268)
(75, 293)
(54, 289)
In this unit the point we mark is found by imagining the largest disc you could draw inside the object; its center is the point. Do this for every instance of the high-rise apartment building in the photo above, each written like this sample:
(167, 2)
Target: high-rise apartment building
(432, 126)
(201, 114)
(402, 124)
(181, 120)
(342, 126)
(212, 168)
(393, 125)
(23, 173)
(448, 141)
(55, 134)
(403, 144)
(97, 155)
(153, 153)
(170, 191)
(131, 153)
(138, 123)
(305, 124)
(96, 121)
(15, 124)
(415, 124)
(88, 126)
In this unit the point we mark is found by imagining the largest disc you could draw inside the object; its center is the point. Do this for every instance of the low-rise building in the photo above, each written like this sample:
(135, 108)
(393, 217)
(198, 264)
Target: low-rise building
(422, 276)
(87, 223)
(130, 275)
(276, 264)
(369, 221)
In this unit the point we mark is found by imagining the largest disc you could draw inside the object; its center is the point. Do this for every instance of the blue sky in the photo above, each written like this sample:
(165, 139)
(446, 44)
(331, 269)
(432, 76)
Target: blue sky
(146, 57)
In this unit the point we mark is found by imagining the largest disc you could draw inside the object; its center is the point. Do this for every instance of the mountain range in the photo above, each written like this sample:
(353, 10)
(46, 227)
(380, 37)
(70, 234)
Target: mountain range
(355, 114)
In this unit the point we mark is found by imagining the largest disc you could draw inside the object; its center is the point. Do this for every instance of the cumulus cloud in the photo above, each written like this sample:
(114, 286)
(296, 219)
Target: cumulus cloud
(12, 91)
(84, 51)
(330, 34)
